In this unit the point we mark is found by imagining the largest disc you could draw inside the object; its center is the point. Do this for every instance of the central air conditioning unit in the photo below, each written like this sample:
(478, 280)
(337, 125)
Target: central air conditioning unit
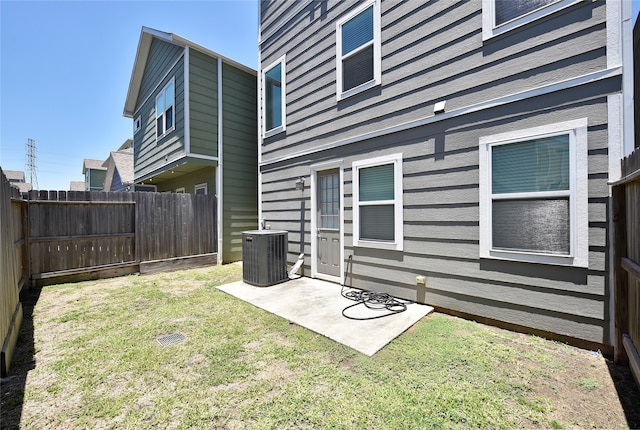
(264, 257)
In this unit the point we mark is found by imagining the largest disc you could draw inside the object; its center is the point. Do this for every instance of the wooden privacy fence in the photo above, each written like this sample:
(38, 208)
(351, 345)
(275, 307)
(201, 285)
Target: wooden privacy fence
(88, 235)
(13, 275)
(626, 254)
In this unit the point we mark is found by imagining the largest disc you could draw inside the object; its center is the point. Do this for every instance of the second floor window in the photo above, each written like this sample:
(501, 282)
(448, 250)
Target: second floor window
(507, 10)
(358, 46)
(273, 83)
(165, 112)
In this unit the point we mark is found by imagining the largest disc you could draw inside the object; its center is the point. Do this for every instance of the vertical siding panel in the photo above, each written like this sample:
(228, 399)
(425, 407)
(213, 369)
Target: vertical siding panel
(240, 198)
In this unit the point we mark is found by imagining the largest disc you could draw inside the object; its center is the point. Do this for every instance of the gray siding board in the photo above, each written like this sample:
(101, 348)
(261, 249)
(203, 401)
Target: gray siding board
(537, 299)
(582, 328)
(553, 278)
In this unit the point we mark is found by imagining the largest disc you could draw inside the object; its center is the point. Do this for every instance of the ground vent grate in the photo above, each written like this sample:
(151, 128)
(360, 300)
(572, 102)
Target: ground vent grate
(171, 339)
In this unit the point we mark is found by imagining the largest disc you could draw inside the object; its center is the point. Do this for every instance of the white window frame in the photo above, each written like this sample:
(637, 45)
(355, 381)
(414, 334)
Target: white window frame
(180, 190)
(202, 186)
(163, 114)
(137, 124)
(377, 74)
(578, 194)
(490, 29)
(396, 160)
(283, 102)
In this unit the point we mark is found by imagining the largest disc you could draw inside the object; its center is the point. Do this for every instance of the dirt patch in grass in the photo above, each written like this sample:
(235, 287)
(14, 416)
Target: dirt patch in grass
(88, 358)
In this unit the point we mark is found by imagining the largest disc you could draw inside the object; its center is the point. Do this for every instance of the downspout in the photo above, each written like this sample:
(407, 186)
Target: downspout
(219, 196)
(627, 78)
(259, 108)
(187, 119)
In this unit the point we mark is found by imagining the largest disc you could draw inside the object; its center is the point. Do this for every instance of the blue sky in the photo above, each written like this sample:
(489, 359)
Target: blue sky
(65, 70)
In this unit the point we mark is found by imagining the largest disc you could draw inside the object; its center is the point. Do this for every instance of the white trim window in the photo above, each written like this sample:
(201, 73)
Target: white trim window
(201, 188)
(358, 50)
(500, 16)
(533, 195)
(274, 97)
(165, 110)
(137, 125)
(377, 202)
(180, 190)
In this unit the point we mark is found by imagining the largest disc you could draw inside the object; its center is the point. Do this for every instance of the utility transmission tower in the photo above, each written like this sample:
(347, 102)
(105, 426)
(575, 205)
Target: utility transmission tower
(31, 164)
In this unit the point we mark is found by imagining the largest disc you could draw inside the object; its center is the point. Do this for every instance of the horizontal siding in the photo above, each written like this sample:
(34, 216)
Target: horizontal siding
(430, 52)
(150, 153)
(161, 57)
(441, 221)
(203, 103)
(240, 158)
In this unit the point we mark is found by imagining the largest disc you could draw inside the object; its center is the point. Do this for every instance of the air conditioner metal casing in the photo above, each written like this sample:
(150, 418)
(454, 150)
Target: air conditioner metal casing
(264, 257)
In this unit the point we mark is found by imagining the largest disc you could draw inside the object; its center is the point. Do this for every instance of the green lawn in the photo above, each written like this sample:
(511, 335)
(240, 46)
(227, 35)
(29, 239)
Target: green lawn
(98, 365)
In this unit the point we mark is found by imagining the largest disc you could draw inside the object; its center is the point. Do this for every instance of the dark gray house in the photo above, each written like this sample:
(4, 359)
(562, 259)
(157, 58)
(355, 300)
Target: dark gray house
(457, 153)
(195, 129)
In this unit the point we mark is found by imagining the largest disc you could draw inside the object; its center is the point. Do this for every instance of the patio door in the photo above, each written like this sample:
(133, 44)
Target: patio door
(328, 224)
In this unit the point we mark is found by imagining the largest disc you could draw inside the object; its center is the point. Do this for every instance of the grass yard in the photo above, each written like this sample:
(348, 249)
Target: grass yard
(90, 359)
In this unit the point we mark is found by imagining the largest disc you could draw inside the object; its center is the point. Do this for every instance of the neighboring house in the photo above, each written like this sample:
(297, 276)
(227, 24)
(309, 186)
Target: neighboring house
(77, 186)
(119, 167)
(16, 179)
(454, 153)
(94, 174)
(195, 129)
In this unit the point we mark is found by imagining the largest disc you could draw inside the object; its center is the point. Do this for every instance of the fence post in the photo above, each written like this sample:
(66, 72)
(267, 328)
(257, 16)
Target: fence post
(621, 287)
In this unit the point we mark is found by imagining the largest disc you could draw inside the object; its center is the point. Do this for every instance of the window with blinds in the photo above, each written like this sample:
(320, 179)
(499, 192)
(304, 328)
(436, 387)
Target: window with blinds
(501, 16)
(533, 194)
(530, 195)
(378, 202)
(358, 51)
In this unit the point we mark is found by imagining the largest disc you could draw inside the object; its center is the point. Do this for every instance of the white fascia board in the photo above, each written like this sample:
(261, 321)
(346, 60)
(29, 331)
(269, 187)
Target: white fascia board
(142, 54)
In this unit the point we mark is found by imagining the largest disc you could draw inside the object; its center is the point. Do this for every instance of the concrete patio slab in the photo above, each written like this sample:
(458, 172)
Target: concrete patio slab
(317, 305)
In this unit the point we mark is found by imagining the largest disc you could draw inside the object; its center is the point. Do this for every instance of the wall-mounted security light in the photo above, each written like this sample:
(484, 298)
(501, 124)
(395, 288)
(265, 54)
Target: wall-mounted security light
(300, 184)
(439, 107)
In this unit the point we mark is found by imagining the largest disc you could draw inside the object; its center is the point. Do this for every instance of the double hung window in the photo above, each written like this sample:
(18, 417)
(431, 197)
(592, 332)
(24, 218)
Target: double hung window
(377, 202)
(274, 101)
(358, 50)
(533, 195)
(165, 112)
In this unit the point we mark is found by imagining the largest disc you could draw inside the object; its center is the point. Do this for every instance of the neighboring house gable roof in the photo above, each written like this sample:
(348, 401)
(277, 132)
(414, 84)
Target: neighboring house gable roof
(120, 162)
(142, 54)
(89, 163)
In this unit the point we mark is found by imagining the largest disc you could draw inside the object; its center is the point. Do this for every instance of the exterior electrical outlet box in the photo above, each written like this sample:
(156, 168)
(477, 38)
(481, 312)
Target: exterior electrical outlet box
(264, 257)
